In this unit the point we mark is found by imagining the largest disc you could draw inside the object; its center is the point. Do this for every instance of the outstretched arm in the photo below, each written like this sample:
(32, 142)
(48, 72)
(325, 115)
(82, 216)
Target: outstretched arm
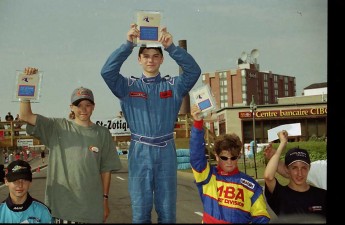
(133, 33)
(272, 165)
(25, 112)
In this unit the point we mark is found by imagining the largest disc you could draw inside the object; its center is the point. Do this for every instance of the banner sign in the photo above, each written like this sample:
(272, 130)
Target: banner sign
(25, 142)
(284, 113)
(116, 126)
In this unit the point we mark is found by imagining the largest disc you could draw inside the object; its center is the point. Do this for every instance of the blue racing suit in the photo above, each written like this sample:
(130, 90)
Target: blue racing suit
(150, 107)
(31, 211)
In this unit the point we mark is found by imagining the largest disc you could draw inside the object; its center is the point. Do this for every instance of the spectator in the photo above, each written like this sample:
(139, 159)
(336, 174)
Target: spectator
(17, 125)
(43, 155)
(19, 206)
(9, 117)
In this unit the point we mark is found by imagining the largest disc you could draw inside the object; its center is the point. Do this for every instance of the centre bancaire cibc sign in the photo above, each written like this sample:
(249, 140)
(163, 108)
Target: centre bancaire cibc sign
(285, 113)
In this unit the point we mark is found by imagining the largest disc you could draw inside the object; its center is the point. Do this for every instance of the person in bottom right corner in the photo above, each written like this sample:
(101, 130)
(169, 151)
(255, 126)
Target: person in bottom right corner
(298, 201)
(228, 195)
(317, 175)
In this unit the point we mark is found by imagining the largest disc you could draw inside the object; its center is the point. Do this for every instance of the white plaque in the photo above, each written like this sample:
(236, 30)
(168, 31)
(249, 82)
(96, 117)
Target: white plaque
(27, 87)
(204, 99)
(149, 26)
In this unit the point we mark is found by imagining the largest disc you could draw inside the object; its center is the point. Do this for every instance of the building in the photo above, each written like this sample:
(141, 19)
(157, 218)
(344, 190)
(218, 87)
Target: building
(275, 99)
(235, 87)
(311, 115)
(316, 89)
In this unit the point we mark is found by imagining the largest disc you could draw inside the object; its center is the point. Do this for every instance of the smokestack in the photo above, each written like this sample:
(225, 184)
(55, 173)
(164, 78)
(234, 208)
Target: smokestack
(185, 106)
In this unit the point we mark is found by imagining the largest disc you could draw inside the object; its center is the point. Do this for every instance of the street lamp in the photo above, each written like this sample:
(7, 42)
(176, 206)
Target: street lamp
(253, 109)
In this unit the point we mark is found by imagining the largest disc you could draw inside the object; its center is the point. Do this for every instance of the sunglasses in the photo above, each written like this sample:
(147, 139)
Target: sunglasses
(224, 158)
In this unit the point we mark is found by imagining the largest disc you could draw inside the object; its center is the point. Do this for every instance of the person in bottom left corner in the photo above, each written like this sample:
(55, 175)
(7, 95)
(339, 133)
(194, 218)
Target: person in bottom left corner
(19, 206)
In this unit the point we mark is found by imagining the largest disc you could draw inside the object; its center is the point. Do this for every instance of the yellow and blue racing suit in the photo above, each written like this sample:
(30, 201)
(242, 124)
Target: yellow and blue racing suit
(232, 197)
(150, 107)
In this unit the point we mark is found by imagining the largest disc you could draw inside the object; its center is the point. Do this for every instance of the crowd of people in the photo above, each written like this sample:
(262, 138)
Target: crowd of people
(82, 157)
(8, 118)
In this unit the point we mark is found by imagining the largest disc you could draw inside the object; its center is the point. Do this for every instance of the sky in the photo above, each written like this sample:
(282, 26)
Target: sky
(70, 40)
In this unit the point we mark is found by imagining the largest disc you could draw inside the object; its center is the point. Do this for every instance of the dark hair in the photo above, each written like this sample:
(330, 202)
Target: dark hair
(141, 49)
(228, 142)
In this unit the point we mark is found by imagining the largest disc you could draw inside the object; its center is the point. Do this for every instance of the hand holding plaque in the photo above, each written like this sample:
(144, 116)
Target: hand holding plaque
(204, 99)
(28, 85)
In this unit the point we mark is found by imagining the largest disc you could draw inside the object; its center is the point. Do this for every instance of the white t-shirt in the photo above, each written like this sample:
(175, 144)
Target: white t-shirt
(318, 173)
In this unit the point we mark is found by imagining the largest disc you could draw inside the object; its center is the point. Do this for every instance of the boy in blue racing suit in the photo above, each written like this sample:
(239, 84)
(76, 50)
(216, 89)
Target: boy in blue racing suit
(150, 105)
(19, 206)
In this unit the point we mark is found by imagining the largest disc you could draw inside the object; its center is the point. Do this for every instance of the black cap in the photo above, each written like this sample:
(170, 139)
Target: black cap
(297, 154)
(18, 169)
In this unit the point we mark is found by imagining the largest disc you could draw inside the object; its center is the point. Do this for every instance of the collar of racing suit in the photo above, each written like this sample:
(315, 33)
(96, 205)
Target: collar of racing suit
(151, 79)
(18, 207)
(223, 173)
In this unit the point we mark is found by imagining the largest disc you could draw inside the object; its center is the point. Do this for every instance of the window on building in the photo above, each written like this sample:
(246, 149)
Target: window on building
(275, 85)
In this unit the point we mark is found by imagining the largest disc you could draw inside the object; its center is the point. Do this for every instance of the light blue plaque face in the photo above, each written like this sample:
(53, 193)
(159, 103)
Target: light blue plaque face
(26, 90)
(204, 104)
(149, 33)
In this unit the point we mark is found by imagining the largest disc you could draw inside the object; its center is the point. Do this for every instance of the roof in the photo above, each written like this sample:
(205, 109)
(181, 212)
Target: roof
(316, 85)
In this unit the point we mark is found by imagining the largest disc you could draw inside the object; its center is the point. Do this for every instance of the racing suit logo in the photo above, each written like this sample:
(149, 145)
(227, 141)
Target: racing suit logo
(165, 94)
(138, 94)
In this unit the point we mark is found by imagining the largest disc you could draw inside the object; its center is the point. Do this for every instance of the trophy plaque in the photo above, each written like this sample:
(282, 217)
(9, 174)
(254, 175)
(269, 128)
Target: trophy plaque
(149, 26)
(203, 97)
(27, 87)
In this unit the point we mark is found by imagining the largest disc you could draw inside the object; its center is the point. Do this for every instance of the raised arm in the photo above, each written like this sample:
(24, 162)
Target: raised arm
(268, 153)
(25, 112)
(165, 38)
(272, 165)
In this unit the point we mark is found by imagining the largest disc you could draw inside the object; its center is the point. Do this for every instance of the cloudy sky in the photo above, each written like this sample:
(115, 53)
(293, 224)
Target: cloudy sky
(69, 40)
